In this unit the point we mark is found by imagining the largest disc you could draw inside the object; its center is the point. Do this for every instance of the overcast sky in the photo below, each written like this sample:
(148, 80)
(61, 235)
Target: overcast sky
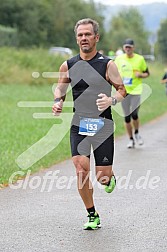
(129, 2)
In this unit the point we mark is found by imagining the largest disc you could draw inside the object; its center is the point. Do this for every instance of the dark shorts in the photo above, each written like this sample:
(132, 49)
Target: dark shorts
(131, 104)
(102, 144)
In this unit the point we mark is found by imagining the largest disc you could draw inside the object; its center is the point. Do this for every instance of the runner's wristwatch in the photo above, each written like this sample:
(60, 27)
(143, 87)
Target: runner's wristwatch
(57, 100)
(114, 101)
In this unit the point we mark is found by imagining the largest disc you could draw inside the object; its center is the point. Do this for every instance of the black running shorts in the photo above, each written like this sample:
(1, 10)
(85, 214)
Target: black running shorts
(102, 144)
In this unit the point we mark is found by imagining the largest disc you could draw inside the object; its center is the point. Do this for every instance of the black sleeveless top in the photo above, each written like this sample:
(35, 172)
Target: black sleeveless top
(88, 79)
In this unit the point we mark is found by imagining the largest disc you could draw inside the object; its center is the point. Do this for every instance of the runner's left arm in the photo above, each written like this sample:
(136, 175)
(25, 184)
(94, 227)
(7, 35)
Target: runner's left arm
(113, 76)
(115, 79)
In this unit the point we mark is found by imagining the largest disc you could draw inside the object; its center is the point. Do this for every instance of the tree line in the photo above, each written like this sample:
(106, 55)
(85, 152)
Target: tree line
(45, 23)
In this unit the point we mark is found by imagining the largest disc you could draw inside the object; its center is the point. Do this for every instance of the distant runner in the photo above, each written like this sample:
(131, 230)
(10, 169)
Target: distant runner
(133, 69)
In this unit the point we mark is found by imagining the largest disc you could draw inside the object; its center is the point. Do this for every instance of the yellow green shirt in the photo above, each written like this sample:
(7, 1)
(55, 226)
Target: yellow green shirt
(127, 67)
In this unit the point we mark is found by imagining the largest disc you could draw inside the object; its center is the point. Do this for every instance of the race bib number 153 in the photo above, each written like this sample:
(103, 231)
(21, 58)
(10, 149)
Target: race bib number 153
(90, 126)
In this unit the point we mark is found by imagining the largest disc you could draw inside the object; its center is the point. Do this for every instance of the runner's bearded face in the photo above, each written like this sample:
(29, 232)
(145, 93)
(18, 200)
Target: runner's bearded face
(86, 39)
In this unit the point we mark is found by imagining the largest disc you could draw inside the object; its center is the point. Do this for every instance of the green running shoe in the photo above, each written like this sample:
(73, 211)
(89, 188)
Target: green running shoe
(111, 186)
(93, 222)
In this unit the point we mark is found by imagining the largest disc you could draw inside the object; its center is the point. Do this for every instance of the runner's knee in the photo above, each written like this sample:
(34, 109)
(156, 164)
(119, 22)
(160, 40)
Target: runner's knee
(135, 115)
(128, 119)
(82, 168)
(103, 177)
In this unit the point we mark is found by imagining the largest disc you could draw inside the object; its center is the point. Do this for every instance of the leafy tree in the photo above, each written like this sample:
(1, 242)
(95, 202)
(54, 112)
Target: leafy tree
(162, 40)
(8, 36)
(28, 17)
(129, 23)
(47, 22)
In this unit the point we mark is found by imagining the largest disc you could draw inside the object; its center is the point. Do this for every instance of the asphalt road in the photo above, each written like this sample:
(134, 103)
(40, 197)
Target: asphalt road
(47, 214)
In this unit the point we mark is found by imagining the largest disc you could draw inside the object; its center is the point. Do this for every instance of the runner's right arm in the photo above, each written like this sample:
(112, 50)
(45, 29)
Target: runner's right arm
(60, 91)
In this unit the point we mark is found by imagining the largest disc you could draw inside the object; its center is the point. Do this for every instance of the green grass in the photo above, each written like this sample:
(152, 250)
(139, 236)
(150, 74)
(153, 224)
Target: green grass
(19, 130)
(17, 65)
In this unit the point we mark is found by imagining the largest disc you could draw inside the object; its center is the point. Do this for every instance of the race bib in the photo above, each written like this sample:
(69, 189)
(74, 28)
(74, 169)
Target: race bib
(127, 81)
(90, 126)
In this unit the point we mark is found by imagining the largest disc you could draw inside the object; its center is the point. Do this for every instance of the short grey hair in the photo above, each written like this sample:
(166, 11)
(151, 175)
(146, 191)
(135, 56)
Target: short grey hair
(88, 21)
